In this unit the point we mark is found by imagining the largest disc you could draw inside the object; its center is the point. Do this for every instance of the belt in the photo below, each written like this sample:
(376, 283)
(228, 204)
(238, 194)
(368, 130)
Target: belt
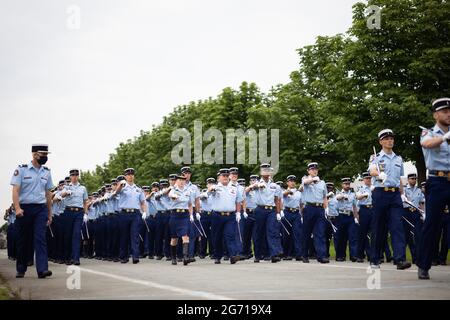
(250, 210)
(180, 211)
(267, 207)
(388, 189)
(75, 209)
(110, 214)
(291, 209)
(367, 206)
(439, 173)
(412, 209)
(161, 211)
(206, 212)
(346, 212)
(226, 214)
(315, 204)
(130, 210)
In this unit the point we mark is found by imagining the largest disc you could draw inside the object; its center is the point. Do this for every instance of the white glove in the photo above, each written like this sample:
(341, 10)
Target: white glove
(327, 212)
(446, 136)
(238, 217)
(339, 197)
(123, 183)
(69, 192)
(382, 176)
(356, 221)
(85, 218)
(282, 213)
(197, 216)
(245, 215)
(278, 217)
(365, 194)
(174, 196)
(316, 179)
(330, 194)
(372, 188)
(404, 198)
(144, 215)
(261, 185)
(191, 218)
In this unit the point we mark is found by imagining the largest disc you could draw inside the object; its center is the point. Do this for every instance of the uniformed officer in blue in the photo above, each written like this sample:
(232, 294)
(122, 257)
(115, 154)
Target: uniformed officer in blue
(57, 224)
(180, 218)
(151, 217)
(291, 200)
(206, 208)
(31, 185)
(131, 204)
(249, 234)
(234, 178)
(436, 150)
(314, 213)
(364, 197)
(75, 213)
(386, 169)
(412, 222)
(348, 215)
(226, 207)
(268, 214)
(332, 216)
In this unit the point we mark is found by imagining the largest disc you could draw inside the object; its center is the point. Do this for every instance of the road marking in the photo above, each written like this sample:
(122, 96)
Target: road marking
(151, 284)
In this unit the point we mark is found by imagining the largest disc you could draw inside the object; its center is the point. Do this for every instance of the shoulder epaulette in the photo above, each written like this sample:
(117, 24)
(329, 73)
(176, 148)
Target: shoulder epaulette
(46, 168)
(23, 166)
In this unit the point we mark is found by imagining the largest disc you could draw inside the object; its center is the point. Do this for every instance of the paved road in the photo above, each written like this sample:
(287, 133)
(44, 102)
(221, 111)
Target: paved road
(152, 279)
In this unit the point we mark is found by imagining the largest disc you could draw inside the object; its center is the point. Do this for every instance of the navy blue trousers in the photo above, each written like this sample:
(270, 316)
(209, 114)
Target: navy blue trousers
(129, 224)
(268, 234)
(72, 234)
(33, 222)
(223, 228)
(249, 233)
(387, 214)
(365, 220)
(314, 223)
(437, 196)
(292, 242)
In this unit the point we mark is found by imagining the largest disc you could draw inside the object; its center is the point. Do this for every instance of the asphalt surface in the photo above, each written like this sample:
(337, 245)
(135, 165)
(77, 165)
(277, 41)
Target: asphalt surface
(151, 279)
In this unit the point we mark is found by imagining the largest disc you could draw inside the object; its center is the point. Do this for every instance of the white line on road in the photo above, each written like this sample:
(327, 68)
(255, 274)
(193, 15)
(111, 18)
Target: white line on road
(151, 284)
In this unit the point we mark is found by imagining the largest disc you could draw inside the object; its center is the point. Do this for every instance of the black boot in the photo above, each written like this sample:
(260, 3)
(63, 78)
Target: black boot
(186, 259)
(173, 253)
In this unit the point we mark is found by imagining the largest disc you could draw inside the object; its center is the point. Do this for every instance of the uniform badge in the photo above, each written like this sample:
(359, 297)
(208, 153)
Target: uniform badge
(16, 173)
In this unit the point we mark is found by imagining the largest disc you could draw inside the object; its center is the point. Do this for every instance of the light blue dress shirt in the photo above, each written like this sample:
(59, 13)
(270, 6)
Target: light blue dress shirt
(314, 192)
(78, 196)
(266, 196)
(414, 194)
(184, 197)
(293, 200)
(131, 197)
(347, 205)
(33, 182)
(225, 198)
(365, 201)
(437, 159)
(392, 165)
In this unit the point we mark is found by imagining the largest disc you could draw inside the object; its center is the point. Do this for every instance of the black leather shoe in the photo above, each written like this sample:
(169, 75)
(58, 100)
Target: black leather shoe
(226, 258)
(305, 260)
(324, 260)
(287, 258)
(77, 263)
(186, 261)
(124, 261)
(151, 257)
(159, 258)
(20, 274)
(233, 260)
(256, 261)
(174, 262)
(179, 260)
(116, 260)
(135, 261)
(44, 274)
(168, 258)
(30, 263)
(402, 265)
(217, 261)
(340, 259)
(353, 259)
(423, 274)
(298, 258)
(275, 259)
(360, 260)
(191, 260)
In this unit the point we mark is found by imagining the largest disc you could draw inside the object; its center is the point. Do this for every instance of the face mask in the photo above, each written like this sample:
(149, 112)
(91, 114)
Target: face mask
(42, 160)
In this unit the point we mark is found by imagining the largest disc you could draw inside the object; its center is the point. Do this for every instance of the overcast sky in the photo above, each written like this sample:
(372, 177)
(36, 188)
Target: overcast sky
(84, 91)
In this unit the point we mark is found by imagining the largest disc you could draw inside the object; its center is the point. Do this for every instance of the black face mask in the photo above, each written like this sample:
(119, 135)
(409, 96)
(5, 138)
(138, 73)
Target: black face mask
(42, 160)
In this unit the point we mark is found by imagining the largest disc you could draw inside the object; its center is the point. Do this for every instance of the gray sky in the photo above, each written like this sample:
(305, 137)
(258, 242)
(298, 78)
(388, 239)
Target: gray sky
(131, 62)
